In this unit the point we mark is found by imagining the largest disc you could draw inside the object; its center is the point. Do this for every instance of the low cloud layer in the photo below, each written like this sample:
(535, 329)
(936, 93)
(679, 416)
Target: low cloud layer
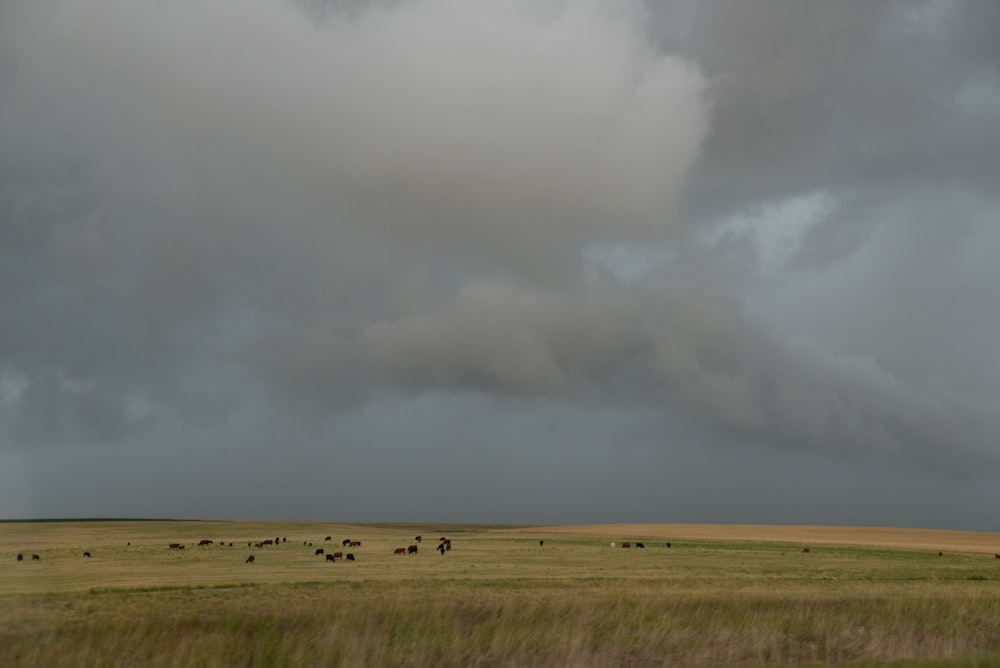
(214, 216)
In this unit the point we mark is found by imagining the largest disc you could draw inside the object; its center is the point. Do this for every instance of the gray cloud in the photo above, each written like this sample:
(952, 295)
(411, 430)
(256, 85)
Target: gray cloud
(224, 221)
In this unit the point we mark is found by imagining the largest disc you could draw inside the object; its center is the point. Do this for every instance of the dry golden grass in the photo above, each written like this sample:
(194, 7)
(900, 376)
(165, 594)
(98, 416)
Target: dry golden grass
(735, 595)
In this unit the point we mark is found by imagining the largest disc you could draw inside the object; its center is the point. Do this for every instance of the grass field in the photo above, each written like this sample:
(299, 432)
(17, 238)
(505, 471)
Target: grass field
(720, 595)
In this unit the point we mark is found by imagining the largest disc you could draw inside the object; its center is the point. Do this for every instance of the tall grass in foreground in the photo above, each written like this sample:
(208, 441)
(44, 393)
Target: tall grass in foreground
(491, 623)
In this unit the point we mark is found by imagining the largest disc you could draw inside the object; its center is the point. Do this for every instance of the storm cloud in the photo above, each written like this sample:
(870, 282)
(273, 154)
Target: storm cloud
(248, 228)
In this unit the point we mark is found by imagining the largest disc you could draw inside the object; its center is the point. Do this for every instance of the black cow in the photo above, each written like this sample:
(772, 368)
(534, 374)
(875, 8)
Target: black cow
(411, 549)
(639, 545)
(418, 538)
(319, 551)
(668, 545)
(350, 556)
(249, 560)
(20, 557)
(328, 538)
(329, 557)
(345, 542)
(541, 543)
(86, 554)
(440, 548)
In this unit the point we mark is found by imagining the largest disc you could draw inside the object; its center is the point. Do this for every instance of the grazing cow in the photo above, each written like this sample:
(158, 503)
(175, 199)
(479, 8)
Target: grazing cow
(345, 542)
(350, 556)
(277, 541)
(447, 543)
(249, 560)
(443, 539)
(940, 554)
(626, 545)
(440, 548)
(411, 549)
(328, 538)
(258, 545)
(541, 543)
(612, 543)
(284, 540)
(86, 554)
(399, 550)
(668, 545)
(204, 542)
(805, 550)
(20, 557)
(267, 542)
(35, 557)
(418, 538)
(337, 555)
(175, 546)
(354, 543)
(181, 547)
(329, 557)
(319, 551)
(640, 546)
(997, 556)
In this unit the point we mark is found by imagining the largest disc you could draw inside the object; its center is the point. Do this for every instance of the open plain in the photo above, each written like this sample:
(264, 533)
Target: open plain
(502, 595)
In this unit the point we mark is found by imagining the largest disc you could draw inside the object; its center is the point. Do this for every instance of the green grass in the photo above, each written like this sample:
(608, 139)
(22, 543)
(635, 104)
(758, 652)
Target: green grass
(496, 599)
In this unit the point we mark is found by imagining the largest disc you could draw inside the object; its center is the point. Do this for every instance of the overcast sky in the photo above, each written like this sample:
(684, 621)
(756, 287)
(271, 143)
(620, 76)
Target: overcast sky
(518, 261)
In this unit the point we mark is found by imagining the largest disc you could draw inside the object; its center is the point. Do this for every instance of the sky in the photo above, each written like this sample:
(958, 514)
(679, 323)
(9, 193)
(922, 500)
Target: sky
(522, 261)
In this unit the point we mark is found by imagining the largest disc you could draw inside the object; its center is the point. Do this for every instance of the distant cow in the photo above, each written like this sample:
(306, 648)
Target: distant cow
(626, 545)
(337, 555)
(440, 548)
(354, 543)
(181, 547)
(418, 538)
(345, 542)
(805, 550)
(277, 540)
(249, 560)
(541, 543)
(319, 551)
(447, 543)
(612, 543)
(399, 550)
(350, 556)
(997, 556)
(328, 538)
(20, 557)
(411, 549)
(329, 557)
(443, 539)
(640, 545)
(86, 554)
(668, 545)
(204, 542)
(175, 546)
(940, 554)
(267, 542)
(35, 557)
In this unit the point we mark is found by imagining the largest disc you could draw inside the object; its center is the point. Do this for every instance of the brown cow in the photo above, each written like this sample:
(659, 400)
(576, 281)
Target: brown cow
(268, 542)
(35, 557)
(337, 555)
(411, 549)
(204, 541)
(399, 550)
(627, 545)
(175, 546)
(354, 543)
(447, 543)
(249, 560)
(997, 556)
(805, 550)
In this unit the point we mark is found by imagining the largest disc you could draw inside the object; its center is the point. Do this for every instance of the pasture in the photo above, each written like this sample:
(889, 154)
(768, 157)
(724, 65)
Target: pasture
(719, 595)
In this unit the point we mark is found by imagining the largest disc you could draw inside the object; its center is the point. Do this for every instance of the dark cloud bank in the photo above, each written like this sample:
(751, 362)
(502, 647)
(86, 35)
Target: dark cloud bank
(435, 260)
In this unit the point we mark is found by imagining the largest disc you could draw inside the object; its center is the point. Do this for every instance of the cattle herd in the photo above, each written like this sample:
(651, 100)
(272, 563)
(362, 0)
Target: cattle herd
(444, 545)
